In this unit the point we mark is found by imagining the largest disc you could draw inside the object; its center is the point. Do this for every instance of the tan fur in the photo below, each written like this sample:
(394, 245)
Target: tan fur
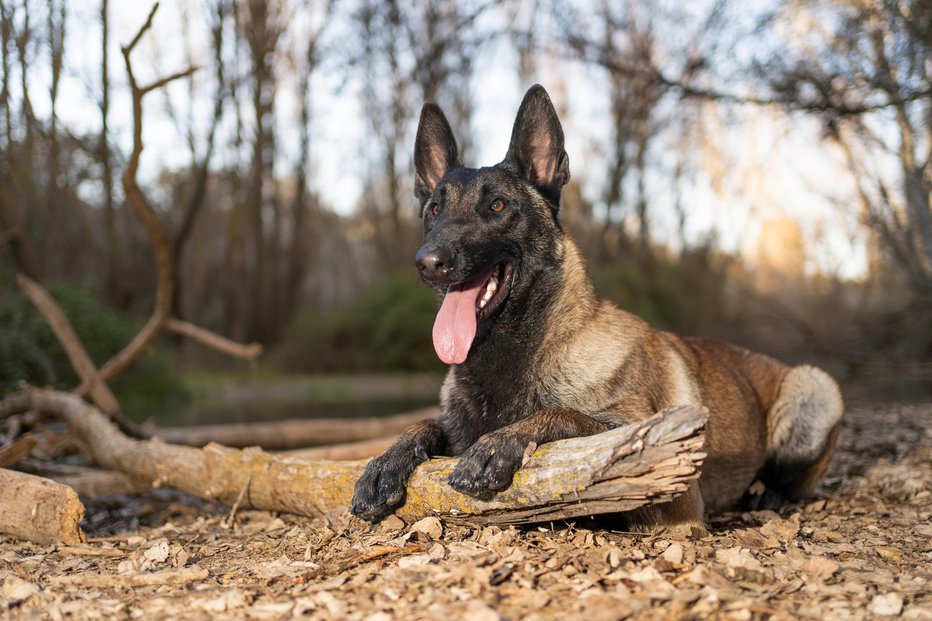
(807, 408)
(613, 366)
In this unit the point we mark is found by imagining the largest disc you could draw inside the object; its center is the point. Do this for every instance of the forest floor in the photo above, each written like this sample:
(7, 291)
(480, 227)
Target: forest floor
(861, 549)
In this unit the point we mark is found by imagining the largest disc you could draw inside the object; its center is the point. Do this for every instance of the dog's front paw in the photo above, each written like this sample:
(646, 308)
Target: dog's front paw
(489, 465)
(380, 489)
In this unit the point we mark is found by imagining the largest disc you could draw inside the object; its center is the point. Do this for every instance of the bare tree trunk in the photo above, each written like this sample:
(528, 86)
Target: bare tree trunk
(12, 222)
(20, 244)
(237, 290)
(395, 137)
(298, 251)
(643, 216)
(106, 158)
(22, 162)
(262, 39)
(201, 170)
(56, 39)
(6, 35)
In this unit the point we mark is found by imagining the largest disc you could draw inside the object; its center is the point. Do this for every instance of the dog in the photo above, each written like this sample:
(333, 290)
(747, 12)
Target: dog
(537, 357)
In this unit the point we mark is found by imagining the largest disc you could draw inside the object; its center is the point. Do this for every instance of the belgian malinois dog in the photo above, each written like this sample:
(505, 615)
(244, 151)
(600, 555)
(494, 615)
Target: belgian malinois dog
(536, 356)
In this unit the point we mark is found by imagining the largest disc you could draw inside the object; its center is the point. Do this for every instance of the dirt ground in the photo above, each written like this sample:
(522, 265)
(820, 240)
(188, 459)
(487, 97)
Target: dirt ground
(861, 549)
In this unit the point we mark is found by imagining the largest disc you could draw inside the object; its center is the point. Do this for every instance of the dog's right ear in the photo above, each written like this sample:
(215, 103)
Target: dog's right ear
(537, 143)
(435, 151)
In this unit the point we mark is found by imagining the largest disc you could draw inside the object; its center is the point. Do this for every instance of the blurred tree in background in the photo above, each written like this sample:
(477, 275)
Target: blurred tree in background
(282, 167)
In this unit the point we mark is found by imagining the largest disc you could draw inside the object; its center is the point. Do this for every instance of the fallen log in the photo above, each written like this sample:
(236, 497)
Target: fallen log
(619, 470)
(346, 451)
(39, 510)
(284, 435)
(94, 483)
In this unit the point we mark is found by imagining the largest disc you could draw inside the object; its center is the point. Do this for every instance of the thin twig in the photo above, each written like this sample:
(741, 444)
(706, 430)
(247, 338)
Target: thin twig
(365, 557)
(168, 79)
(162, 578)
(142, 31)
(228, 521)
(250, 351)
(91, 551)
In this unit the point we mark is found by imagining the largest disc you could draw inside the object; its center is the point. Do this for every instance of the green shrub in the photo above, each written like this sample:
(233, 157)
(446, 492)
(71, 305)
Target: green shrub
(685, 294)
(30, 352)
(386, 329)
(651, 298)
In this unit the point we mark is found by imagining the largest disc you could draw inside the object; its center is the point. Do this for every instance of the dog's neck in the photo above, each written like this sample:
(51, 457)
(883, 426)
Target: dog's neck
(575, 301)
(559, 303)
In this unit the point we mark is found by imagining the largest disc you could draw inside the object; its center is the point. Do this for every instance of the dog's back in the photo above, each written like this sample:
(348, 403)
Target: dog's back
(766, 419)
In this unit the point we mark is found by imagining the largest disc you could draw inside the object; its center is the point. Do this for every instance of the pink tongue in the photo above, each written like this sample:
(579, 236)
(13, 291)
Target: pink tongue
(455, 326)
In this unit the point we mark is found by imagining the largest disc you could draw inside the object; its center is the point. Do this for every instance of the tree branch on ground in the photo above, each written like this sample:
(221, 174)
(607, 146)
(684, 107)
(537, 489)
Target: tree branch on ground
(40, 510)
(620, 470)
(294, 434)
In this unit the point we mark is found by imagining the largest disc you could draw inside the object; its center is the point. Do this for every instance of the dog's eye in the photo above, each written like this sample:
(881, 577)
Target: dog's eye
(497, 205)
(435, 208)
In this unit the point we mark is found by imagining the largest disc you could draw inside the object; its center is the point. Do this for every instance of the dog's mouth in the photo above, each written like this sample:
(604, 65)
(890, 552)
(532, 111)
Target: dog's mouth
(464, 305)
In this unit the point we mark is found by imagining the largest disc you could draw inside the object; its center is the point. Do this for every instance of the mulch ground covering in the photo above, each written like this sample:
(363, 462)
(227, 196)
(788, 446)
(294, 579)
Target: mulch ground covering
(861, 549)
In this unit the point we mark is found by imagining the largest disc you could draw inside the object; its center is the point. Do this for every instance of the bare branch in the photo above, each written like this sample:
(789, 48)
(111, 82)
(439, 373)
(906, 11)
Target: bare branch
(588, 52)
(98, 390)
(164, 265)
(145, 27)
(249, 351)
(146, 214)
(169, 79)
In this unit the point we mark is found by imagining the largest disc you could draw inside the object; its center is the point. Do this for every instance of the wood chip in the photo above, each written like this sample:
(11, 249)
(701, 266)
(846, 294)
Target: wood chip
(176, 577)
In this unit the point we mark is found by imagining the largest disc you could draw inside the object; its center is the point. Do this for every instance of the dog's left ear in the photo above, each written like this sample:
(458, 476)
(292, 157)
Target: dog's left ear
(435, 151)
(537, 143)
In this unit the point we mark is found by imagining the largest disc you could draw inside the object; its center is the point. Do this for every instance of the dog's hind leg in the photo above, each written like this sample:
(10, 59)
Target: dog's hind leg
(802, 428)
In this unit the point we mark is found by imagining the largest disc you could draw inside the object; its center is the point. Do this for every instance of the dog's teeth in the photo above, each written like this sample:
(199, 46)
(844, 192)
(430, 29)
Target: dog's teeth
(490, 288)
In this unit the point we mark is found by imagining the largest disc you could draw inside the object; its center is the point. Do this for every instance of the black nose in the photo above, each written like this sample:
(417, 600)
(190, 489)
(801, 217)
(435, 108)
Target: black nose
(434, 263)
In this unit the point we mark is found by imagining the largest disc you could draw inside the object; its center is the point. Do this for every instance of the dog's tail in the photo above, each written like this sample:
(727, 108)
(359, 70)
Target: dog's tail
(802, 428)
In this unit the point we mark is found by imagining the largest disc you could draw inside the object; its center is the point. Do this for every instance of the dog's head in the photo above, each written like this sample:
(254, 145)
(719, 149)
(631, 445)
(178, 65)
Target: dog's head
(488, 232)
